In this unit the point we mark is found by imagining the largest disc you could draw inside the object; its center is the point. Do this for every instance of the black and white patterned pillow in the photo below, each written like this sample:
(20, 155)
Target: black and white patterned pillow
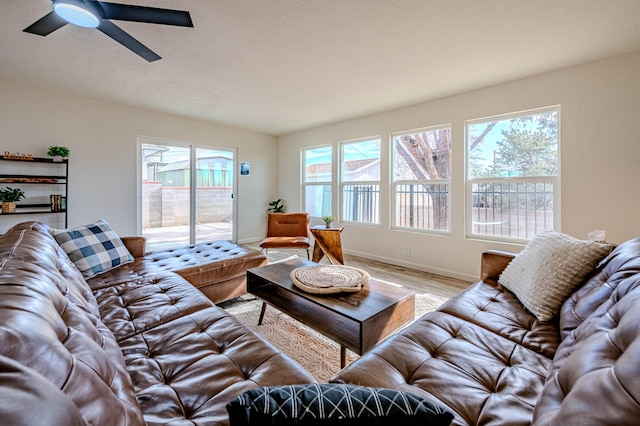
(93, 248)
(317, 404)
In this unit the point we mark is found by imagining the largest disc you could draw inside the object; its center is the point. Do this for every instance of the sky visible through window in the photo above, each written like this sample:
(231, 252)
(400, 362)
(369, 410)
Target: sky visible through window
(175, 154)
(483, 154)
(361, 150)
(351, 151)
(317, 155)
(484, 150)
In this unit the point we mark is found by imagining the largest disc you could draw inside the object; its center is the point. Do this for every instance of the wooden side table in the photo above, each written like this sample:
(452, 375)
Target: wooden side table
(327, 244)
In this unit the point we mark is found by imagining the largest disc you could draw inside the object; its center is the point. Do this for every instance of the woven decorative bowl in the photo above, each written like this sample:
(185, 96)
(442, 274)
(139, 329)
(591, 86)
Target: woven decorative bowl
(328, 279)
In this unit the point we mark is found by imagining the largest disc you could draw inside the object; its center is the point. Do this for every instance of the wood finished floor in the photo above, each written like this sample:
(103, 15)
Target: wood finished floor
(418, 281)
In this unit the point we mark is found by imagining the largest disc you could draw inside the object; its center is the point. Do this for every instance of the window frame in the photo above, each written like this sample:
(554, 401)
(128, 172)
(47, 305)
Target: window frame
(469, 181)
(344, 183)
(194, 201)
(395, 183)
(306, 184)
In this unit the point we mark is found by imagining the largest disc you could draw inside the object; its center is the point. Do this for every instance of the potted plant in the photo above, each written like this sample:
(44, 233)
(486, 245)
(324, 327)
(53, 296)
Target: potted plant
(328, 220)
(58, 153)
(276, 206)
(9, 196)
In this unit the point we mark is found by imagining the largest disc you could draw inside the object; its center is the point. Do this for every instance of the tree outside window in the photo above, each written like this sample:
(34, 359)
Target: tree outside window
(513, 175)
(422, 179)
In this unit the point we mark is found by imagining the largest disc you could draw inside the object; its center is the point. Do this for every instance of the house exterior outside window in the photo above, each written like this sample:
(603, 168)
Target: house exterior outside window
(360, 180)
(317, 180)
(422, 179)
(513, 176)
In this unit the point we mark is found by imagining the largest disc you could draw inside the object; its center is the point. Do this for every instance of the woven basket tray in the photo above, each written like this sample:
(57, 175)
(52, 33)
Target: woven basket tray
(327, 279)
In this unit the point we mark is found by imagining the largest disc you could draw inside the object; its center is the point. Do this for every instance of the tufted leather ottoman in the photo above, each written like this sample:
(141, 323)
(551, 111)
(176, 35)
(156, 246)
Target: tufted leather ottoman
(217, 268)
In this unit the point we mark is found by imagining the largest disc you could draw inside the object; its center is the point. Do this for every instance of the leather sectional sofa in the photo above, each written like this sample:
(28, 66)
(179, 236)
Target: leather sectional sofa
(140, 344)
(137, 344)
(490, 361)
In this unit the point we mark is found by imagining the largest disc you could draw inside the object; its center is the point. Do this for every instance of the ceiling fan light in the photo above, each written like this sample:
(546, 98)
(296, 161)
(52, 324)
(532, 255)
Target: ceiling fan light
(76, 13)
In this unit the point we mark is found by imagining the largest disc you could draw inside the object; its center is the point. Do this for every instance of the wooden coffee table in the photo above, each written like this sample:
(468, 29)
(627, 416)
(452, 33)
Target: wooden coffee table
(357, 321)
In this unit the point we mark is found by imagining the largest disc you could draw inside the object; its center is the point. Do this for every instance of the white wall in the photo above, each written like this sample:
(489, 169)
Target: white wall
(103, 142)
(600, 161)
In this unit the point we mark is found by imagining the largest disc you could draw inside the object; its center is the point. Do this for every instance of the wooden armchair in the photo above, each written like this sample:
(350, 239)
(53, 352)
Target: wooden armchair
(287, 230)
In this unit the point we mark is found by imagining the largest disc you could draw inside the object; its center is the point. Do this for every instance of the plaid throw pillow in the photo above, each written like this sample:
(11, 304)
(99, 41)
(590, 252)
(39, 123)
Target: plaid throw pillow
(93, 248)
(343, 404)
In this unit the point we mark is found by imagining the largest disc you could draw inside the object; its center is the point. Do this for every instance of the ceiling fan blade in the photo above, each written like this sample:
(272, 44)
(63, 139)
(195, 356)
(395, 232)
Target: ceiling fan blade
(152, 15)
(46, 25)
(119, 35)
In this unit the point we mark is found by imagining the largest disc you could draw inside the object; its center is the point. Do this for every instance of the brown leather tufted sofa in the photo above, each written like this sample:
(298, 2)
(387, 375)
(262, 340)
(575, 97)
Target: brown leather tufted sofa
(138, 344)
(490, 362)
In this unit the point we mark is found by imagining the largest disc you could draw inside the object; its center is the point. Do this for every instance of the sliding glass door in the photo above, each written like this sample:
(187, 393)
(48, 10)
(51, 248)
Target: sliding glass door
(186, 193)
(214, 195)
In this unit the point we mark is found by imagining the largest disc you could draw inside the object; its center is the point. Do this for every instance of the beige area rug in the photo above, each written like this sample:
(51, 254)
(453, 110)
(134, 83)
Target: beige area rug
(316, 353)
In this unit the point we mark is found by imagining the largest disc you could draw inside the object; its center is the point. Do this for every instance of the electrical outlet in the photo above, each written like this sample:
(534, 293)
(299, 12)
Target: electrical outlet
(407, 252)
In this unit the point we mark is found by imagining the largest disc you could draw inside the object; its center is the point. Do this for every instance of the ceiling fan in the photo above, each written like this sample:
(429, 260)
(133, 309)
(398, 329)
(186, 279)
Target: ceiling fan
(96, 14)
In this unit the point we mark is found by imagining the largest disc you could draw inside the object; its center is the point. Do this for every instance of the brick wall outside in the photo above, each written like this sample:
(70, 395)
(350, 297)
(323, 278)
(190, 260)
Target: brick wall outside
(169, 206)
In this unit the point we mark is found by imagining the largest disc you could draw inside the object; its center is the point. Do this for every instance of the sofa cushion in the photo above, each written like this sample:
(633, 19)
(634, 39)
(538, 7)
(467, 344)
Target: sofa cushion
(38, 247)
(595, 293)
(94, 248)
(549, 268)
(598, 366)
(486, 306)
(187, 357)
(317, 404)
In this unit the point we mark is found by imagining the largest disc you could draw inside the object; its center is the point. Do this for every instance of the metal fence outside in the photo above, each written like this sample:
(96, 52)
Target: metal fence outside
(518, 209)
(361, 203)
(512, 209)
(422, 206)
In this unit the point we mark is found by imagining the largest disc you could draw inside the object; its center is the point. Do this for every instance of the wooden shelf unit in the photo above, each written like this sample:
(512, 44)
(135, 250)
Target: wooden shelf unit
(23, 178)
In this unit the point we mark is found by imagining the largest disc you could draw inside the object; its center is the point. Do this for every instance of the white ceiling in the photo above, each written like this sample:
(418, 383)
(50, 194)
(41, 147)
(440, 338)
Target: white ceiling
(279, 66)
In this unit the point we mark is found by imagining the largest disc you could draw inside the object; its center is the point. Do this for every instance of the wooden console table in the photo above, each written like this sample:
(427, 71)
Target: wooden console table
(327, 244)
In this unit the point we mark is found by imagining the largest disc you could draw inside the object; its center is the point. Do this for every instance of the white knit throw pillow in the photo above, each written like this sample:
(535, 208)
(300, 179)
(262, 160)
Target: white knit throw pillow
(549, 268)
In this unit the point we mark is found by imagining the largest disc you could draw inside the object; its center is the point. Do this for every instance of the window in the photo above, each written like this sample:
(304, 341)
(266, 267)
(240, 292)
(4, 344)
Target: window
(186, 193)
(317, 180)
(360, 181)
(421, 179)
(513, 175)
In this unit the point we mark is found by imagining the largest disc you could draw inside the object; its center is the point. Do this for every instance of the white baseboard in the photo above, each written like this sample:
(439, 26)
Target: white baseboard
(397, 262)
